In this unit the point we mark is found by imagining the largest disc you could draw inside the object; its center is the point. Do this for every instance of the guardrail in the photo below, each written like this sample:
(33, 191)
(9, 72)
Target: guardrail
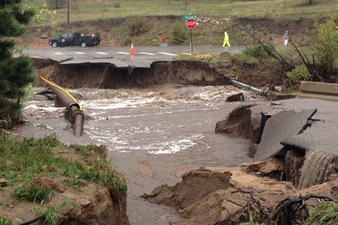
(320, 90)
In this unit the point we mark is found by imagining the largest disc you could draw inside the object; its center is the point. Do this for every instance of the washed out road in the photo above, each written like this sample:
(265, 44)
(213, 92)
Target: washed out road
(120, 56)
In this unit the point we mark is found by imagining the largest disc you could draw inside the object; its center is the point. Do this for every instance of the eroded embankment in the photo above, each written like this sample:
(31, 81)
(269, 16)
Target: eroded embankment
(104, 76)
(235, 196)
(43, 180)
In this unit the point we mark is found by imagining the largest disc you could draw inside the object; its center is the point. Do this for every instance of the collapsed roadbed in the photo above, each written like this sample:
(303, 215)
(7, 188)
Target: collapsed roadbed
(294, 153)
(105, 76)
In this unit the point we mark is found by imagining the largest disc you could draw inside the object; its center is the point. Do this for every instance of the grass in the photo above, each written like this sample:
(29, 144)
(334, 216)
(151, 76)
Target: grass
(85, 10)
(22, 161)
(5, 221)
(53, 214)
(31, 193)
(323, 214)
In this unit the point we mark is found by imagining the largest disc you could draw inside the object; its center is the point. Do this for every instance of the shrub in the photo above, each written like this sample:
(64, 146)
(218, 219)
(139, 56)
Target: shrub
(257, 51)
(139, 25)
(127, 41)
(327, 45)
(117, 4)
(299, 73)
(243, 59)
(178, 33)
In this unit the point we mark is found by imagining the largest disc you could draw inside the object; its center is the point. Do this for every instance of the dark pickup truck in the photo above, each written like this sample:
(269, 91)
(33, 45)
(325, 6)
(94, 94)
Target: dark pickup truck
(74, 39)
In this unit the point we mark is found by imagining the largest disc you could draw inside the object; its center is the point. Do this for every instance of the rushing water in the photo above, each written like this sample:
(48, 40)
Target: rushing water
(316, 168)
(153, 135)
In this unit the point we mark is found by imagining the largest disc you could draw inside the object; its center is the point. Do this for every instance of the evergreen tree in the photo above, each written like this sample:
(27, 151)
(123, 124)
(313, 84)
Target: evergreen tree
(15, 73)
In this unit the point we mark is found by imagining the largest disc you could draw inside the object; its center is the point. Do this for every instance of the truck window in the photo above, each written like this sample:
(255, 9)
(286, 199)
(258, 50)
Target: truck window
(64, 36)
(70, 35)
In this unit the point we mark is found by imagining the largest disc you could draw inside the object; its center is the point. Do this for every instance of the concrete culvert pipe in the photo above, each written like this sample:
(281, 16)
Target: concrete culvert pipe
(76, 115)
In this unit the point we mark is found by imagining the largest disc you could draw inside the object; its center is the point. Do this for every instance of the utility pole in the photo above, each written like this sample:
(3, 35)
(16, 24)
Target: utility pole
(68, 11)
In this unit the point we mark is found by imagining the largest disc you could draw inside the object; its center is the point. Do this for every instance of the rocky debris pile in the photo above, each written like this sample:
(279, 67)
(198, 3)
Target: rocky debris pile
(235, 189)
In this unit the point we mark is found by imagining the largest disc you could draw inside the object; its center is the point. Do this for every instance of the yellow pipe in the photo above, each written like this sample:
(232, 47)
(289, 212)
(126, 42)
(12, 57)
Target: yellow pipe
(62, 89)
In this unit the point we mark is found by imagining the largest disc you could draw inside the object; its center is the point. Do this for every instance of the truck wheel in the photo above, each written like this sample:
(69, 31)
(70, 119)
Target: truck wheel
(54, 44)
(83, 44)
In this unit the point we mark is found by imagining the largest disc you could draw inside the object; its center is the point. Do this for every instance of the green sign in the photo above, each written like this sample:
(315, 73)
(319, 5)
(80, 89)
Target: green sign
(190, 16)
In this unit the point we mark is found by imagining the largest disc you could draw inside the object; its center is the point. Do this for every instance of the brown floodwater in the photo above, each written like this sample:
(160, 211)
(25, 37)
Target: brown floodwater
(153, 135)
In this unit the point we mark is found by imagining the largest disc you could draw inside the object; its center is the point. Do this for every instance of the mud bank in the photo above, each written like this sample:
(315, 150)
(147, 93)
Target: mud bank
(226, 203)
(104, 76)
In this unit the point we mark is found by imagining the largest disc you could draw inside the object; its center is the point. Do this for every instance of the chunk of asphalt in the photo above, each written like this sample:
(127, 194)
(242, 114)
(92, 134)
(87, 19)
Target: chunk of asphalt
(279, 127)
(321, 136)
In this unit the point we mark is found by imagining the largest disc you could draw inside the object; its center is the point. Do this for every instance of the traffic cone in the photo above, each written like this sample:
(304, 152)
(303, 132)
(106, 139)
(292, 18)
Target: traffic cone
(132, 51)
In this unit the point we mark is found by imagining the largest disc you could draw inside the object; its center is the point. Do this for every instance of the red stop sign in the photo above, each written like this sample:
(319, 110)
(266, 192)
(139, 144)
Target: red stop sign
(190, 23)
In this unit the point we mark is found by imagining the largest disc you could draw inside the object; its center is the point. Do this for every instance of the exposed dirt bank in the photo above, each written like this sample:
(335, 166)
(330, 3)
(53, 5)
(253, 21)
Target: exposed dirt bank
(175, 72)
(225, 204)
(102, 76)
(63, 185)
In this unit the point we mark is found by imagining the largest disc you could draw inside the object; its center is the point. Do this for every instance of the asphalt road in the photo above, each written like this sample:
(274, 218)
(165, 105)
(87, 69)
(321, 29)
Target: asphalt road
(120, 56)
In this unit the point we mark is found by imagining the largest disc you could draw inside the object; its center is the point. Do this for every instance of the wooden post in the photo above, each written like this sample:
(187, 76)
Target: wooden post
(191, 44)
(68, 11)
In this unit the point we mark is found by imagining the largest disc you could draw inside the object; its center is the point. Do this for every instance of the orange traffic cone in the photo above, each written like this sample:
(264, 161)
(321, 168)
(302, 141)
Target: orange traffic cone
(132, 52)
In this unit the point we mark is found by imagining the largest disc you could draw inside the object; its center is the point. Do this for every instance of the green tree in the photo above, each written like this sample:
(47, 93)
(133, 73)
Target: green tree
(15, 73)
(327, 46)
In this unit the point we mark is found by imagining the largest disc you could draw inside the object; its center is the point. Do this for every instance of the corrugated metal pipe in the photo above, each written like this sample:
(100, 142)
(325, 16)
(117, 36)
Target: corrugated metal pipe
(76, 116)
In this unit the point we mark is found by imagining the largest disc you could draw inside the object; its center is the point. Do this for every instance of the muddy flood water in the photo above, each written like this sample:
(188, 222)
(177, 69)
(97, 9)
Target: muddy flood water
(153, 135)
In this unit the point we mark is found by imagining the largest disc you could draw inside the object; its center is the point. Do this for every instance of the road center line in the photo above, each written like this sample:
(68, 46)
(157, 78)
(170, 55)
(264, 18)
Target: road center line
(101, 53)
(58, 53)
(80, 53)
(167, 53)
(123, 53)
(146, 53)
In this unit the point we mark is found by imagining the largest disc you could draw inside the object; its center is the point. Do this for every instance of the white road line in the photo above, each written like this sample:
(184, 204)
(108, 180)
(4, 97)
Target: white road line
(58, 53)
(146, 53)
(167, 53)
(123, 53)
(101, 53)
(80, 53)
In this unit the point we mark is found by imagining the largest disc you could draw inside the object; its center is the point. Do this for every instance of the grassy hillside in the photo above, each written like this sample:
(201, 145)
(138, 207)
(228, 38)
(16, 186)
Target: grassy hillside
(82, 10)
(143, 22)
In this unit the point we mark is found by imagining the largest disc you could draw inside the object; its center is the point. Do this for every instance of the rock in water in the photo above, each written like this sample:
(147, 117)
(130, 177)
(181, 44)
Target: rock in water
(238, 97)
(317, 167)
